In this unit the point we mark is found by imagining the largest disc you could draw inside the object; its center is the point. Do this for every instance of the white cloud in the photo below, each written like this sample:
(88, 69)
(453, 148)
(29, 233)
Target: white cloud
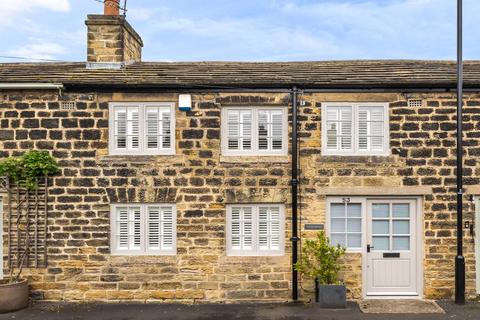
(323, 29)
(15, 11)
(39, 50)
(260, 38)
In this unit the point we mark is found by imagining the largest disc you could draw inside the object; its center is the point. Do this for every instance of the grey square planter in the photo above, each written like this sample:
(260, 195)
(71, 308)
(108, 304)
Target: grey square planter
(331, 296)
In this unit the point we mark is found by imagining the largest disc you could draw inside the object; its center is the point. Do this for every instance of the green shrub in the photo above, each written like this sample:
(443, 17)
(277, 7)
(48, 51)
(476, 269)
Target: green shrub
(320, 260)
(27, 168)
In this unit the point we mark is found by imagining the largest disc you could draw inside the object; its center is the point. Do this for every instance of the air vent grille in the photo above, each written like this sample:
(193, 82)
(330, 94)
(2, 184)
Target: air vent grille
(415, 103)
(68, 105)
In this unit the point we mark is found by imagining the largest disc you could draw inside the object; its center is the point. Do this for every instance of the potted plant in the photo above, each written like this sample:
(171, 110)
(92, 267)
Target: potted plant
(320, 261)
(25, 171)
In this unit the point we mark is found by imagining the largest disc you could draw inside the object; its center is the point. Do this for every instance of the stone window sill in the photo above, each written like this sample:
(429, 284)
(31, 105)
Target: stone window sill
(138, 158)
(357, 159)
(254, 260)
(255, 159)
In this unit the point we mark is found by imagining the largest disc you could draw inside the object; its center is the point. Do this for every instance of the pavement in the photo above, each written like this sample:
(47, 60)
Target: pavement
(287, 311)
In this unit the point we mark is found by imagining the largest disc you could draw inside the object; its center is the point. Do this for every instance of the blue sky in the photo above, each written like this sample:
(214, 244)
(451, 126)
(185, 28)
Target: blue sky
(248, 30)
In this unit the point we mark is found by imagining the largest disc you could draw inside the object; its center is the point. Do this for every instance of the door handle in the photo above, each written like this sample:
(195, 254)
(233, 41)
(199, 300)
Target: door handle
(369, 247)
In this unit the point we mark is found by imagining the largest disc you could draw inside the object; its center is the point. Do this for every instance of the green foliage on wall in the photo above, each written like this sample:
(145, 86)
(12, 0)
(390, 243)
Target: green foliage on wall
(27, 168)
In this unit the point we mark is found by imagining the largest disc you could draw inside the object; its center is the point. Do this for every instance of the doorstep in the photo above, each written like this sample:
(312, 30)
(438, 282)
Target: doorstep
(410, 306)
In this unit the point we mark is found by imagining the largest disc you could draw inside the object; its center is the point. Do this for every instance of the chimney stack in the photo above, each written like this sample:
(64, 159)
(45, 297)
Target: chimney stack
(111, 7)
(112, 41)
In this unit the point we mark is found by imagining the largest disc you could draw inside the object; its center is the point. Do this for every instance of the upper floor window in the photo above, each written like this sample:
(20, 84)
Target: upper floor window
(355, 129)
(254, 131)
(140, 229)
(255, 230)
(142, 128)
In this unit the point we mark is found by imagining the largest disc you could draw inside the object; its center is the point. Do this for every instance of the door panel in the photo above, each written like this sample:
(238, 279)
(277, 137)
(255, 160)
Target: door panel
(391, 256)
(1, 238)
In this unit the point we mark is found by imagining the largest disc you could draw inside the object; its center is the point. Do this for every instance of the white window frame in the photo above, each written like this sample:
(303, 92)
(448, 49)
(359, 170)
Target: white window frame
(255, 150)
(143, 251)
(143, 150)
(348, 199)
(255, 251)
(355, 151)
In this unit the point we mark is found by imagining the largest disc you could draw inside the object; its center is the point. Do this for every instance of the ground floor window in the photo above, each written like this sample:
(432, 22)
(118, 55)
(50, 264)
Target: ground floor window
(388, 222)
(346, 223)
(140, 229)
(255, 229)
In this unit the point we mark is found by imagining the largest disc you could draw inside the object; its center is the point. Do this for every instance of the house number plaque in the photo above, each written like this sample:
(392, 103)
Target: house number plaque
(312, 226)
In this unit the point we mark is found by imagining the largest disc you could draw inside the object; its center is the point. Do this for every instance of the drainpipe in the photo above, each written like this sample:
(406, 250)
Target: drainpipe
(459, 259)
(294, 183)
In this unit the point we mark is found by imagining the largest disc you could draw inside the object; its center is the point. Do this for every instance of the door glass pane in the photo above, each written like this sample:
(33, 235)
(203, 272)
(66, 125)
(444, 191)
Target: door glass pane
(381, 243)
(401, 243)
(338, 239)
(401, 210)
(401, 227)
(380, 210)
(354, 210)
(337, 210)
(354, 225)
(381, 227)
(338, 225)
(354, 240)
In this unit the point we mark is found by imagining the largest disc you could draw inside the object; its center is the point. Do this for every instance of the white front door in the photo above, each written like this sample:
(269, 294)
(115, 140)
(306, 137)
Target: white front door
(391, 252)
(477, 242)
(1, 238)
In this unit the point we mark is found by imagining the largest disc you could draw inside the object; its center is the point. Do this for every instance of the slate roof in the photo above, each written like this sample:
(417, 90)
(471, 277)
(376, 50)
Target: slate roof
(358, 74)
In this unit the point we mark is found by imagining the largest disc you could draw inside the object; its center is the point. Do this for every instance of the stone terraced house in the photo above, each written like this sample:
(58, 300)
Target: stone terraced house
(176, 178)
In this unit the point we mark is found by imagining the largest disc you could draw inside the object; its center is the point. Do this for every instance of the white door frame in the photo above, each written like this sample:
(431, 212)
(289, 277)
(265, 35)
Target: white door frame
(1, 238)
(477, 242)
(419, 253)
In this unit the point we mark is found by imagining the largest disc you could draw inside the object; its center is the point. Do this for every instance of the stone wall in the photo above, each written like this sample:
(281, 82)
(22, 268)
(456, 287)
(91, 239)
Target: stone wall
(201, 181)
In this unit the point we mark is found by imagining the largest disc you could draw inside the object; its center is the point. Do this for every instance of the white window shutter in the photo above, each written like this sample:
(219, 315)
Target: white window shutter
(275, 228)
(166, 129)
(332, 128)
(263, 230)
(269, 228)
(363, 129)
(247, 123)
(371, 123)
(144, 128)
(152, 128)
(339, 128)
(377, 128)
(120, 125)
(144, 229)
(263, 130)
(122, 228)
(247, 216)
(241, 228)
(255, 230)
(167, 228)
(153, 227)
(346, 118)
(236, 242)
(233, 130)
(135, 228)
(277, 130)
(133, 128)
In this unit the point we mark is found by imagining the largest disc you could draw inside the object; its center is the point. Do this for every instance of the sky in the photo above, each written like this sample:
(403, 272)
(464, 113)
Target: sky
(248, 30)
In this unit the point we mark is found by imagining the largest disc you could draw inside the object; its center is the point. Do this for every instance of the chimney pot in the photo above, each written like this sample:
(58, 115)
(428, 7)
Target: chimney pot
(111, 7)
